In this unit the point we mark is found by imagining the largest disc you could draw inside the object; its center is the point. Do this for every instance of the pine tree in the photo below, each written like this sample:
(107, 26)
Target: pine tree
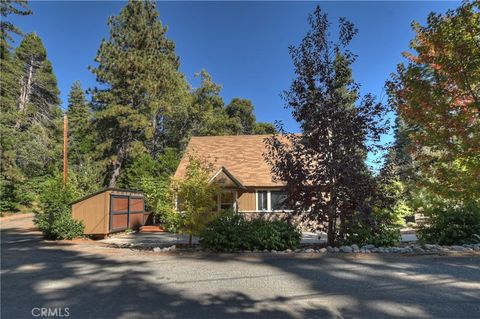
(38, 113)
(30, 118)
(79, 125)
(8, 7)
(10, 175)
(242, 111)
(38, 102)
(140, 86)
(324, 168)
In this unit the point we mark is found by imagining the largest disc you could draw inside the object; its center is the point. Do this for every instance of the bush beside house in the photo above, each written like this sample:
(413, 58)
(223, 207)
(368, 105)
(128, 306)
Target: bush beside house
(232, 232)
(54, 218)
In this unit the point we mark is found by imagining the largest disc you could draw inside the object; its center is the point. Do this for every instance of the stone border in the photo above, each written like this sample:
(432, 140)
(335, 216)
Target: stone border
(416, 249)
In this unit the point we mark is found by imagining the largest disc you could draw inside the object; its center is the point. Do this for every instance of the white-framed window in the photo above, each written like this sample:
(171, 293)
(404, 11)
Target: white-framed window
(262, 200)
(271, 200)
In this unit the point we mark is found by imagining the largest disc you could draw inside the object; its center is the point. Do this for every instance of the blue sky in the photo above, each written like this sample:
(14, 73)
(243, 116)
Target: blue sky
(243, 45)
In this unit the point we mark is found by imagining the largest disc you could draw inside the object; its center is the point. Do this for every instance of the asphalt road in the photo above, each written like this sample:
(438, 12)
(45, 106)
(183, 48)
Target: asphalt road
(93, 281)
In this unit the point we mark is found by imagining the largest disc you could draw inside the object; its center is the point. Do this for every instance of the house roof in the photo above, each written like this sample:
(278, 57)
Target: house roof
(240, 155)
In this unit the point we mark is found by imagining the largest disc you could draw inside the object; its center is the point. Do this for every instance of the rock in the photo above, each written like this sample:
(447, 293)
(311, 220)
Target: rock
(355, 248)
(336, 250)
(173, 247)
(288, 251)
(346, 249)
(330, 249)
(458, 248)
(476, 247)
(309, 250)
(265, 250)
(367, 251)
(417, 249)
(157, 249)
(429, 247)
(298, 250)
(323, 250)
(369, 246)
(274, 251)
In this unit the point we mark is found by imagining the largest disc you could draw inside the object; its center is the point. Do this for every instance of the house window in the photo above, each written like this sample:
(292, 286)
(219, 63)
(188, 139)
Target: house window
(262, 200)
(271, 200)
(278, 200)
(226, 200)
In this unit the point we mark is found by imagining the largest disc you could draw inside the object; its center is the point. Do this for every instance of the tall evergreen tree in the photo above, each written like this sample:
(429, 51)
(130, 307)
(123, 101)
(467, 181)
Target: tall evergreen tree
(79, 123)
(38, 119)
(242, 111)
(38, 102)
(10, 175)
(30, 116)
(8, 7)
(140, 86)
(324, 168)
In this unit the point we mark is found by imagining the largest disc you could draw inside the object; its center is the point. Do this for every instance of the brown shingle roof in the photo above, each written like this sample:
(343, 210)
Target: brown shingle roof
(241, 155)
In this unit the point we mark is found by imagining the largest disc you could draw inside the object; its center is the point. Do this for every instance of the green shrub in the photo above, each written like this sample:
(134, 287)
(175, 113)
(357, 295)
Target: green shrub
(171, 219)
(232, 232)
(452, 224)
(226, 233)
(54, 218)
(382, 235)
(381, 228)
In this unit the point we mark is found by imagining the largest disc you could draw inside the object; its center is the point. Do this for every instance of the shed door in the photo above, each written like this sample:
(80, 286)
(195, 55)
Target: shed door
(136, 212)
(119, 212)
(126, 212)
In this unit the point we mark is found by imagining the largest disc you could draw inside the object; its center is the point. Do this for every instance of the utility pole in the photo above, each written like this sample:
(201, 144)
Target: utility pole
(65, 149)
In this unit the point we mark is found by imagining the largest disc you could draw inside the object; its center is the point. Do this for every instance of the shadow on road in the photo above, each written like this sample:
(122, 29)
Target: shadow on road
(48, 274)
(378, 286)
(104, 285)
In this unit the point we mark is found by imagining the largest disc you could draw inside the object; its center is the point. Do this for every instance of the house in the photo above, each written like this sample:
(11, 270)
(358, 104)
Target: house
(241, 171)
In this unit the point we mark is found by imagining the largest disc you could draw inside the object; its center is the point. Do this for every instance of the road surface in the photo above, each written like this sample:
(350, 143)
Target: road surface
(88, 280)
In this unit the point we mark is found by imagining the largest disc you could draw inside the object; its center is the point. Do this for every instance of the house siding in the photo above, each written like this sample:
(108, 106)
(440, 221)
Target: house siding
(246, 200)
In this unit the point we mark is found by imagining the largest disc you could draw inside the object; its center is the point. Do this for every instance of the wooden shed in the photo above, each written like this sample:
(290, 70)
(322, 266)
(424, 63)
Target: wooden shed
(110, 210)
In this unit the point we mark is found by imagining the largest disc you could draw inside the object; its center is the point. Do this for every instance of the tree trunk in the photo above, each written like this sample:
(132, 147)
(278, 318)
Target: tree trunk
(332, 221)
(25, 92)
(115, 173)
(118, 163)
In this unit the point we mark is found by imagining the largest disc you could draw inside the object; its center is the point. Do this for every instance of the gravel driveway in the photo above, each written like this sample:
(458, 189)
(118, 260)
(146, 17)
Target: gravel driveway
(94, 281)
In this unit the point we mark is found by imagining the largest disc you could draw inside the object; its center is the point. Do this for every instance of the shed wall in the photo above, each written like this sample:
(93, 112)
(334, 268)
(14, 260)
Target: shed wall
(94, 213)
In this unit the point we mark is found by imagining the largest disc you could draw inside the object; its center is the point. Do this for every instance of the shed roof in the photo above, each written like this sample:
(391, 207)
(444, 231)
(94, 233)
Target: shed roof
(240, 155)
(113, 189)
